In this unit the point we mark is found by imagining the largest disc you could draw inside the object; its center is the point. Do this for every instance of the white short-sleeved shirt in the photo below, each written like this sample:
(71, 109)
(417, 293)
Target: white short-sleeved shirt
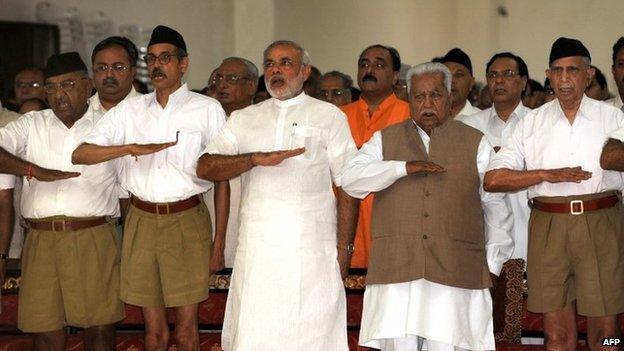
(41, 138)
(168, 175)
(544, 139)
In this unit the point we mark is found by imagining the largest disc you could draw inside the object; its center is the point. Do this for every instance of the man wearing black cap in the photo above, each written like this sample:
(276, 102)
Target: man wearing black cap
(70, 263)
(576, 245)
(158, 137)
(458, 62)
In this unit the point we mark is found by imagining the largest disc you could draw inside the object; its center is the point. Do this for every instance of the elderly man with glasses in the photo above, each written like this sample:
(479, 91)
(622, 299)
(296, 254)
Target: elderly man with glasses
(70, 263)
(235, 82)
(158, 137)
(336, 88)
(28, 84)
(576, 247)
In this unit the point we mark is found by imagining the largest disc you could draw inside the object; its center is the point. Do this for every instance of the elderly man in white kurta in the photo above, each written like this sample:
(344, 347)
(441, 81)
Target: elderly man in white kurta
(506, 76)
(286, 291)
(437, 236)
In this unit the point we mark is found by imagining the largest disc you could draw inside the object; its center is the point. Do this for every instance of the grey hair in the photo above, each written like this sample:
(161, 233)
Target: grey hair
(586, 62)
(305, 58)
(428, 68)
(346, 79)
(252, 70)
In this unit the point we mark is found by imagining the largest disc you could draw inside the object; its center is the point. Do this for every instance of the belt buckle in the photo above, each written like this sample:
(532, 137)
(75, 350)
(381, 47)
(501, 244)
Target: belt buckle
(576, 202)
(159, 206)
(61, 222)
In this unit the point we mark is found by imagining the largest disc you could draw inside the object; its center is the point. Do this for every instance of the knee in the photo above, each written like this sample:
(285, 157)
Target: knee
(596, 334)
(559, 340)
(156, 340)
(187, 340)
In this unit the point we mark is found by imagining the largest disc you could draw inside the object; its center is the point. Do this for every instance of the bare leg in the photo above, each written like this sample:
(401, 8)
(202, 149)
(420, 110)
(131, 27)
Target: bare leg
(186, 332)
(599, 328)
(49, 341)
(560, 331)
(100, 338)
(156, 328)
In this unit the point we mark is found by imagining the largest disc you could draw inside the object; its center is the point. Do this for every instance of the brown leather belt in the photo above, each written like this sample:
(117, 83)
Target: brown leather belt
(165, 207)
(66, 225)
(576, 207)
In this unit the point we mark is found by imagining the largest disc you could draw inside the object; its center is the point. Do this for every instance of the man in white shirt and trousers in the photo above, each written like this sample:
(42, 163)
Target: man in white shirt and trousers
(437, 236)
(506, 75)
(576, 238)
(295, 235)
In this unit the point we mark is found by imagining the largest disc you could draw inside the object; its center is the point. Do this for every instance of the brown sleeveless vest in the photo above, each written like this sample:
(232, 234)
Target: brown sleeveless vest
(431, 226)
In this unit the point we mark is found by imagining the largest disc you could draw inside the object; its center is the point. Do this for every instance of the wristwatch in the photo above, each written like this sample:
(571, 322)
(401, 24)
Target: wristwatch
(350, 248)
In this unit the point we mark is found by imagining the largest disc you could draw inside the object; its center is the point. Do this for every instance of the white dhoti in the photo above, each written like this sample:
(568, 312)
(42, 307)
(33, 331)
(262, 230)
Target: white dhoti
(443, 314)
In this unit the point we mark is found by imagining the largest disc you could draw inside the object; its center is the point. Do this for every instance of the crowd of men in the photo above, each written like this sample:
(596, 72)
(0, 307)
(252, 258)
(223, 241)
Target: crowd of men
(293, 177)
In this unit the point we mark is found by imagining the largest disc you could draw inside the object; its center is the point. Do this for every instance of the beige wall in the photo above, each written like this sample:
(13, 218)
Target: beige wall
(335, 31)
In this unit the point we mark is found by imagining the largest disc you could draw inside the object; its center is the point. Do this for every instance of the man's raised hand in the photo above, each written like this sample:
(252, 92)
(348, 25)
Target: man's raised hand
(274, 157)
(50, 175)
(567, 174)
(146, 149)
(416, 167)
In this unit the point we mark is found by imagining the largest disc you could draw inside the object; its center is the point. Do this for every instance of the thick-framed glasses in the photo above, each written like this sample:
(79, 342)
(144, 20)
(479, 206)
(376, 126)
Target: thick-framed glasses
(66, 86)
(507, 74)
(163, 58)
(231, 79)
(19, 85)
(116, 67)
(326, 94)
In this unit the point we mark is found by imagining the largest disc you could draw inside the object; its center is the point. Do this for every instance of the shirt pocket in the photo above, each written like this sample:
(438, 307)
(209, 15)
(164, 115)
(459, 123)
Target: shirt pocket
(186, 152)
(308, 137)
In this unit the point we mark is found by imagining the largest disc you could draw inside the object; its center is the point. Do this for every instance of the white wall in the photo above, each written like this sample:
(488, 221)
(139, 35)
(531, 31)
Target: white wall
(335, 31)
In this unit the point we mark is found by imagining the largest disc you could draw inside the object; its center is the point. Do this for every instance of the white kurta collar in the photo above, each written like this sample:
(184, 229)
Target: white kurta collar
(290, 102)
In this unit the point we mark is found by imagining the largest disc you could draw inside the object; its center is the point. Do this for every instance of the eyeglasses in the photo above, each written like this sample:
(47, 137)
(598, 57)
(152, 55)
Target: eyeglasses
(20, 84)
(66, 86)
(285, 62)
(506, 74)
(116, 67)
(231, 79)
(326, 94)
(163, 58)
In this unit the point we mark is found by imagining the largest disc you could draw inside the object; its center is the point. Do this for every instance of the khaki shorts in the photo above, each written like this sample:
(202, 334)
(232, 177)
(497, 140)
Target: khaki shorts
(576, 258)
(165, 258)
(69, 278)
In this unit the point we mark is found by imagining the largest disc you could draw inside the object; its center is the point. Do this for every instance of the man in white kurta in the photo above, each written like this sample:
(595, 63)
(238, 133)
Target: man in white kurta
(286, 290)
(400, 316)
(506, 76)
